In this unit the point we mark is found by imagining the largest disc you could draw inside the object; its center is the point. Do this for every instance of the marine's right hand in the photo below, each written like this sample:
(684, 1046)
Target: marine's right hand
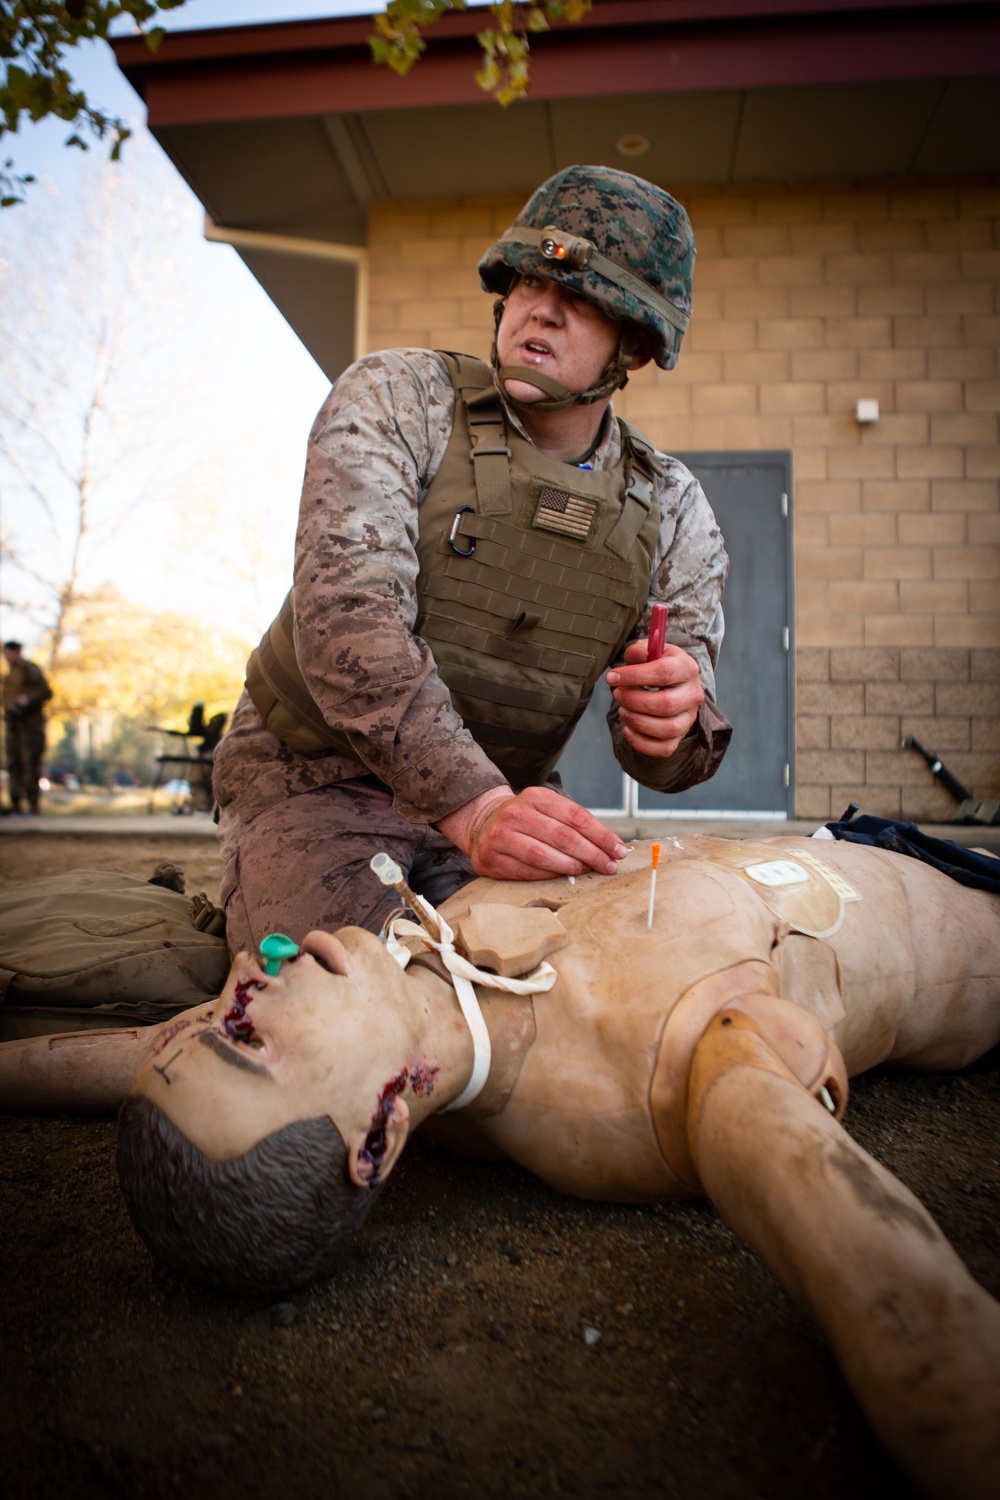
(533, 835)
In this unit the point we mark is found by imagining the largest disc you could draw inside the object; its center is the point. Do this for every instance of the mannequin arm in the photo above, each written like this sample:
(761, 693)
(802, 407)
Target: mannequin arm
(917, 1339)
(80, 1072)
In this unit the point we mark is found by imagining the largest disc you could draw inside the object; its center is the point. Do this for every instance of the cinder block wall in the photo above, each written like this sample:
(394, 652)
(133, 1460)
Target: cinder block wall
(807, 300)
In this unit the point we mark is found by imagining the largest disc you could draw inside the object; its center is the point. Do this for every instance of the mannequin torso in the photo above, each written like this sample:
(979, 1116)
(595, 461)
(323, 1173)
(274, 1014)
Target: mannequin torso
(582, 1087)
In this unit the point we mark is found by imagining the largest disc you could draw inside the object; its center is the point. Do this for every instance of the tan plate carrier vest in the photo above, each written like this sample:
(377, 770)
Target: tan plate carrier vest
(533, 574)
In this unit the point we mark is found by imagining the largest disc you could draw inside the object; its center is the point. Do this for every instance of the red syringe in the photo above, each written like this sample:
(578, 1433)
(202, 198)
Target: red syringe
(657, 633)
(656, 642)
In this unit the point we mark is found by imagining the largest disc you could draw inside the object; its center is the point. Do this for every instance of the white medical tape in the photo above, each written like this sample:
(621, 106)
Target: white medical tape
(463, 976)
(482, 1049)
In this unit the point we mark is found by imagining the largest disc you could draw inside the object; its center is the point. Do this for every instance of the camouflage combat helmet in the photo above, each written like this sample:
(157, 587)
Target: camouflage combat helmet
(623, 243)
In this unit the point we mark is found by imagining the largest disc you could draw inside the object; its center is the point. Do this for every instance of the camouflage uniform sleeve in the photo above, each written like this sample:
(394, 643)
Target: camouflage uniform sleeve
(382, 431)
(689, 572)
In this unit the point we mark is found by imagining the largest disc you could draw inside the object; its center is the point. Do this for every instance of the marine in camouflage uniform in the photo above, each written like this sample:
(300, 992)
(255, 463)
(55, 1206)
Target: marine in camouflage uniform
(299, 826)
(25, 690)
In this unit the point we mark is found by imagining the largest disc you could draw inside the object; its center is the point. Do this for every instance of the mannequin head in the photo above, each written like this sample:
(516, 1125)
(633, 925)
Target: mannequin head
(276, 1217)
(260, 1127)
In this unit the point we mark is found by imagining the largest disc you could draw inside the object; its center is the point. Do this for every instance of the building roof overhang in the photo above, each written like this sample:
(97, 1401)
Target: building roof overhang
(290, 130)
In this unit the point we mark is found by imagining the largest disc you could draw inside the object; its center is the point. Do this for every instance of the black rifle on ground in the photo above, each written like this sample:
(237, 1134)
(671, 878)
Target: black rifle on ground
(971, 809)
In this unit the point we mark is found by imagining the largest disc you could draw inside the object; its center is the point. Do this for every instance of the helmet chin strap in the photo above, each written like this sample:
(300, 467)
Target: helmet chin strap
(558, 398)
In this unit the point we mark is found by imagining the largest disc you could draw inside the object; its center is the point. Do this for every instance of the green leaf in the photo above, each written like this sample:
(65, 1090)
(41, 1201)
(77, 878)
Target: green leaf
(154, 37)
(403, 13)
(537, 20)
(488, 77)
(17, 86)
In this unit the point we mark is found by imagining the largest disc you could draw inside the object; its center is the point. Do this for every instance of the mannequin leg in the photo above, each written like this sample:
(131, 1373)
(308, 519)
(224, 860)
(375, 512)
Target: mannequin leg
(916, 1337)
(304, 864)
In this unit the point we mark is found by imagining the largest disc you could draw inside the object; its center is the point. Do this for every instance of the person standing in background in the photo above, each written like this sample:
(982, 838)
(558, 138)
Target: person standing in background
(25, 692)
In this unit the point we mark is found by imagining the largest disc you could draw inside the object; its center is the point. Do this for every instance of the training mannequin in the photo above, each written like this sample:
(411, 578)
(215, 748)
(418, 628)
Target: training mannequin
(707, 1053)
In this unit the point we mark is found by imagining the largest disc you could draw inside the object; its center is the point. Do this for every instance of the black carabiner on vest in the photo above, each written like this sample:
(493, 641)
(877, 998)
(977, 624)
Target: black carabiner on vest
(454, 532)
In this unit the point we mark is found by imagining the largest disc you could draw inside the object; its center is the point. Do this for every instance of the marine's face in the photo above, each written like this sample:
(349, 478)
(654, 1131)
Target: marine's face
(551, 329)
(315, 1039)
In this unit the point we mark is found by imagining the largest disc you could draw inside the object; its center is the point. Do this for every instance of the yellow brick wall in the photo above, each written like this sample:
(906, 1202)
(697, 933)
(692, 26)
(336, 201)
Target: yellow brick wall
(805, 301)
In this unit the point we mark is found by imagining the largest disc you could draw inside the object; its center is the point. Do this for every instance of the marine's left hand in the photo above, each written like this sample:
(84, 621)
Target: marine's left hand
(654, 723)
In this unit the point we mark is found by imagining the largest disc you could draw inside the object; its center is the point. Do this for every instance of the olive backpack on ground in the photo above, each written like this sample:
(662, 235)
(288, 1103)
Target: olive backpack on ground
(99, 948)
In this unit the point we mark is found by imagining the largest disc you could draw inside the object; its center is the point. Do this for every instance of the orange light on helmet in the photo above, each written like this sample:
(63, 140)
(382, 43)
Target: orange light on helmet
(571, 248)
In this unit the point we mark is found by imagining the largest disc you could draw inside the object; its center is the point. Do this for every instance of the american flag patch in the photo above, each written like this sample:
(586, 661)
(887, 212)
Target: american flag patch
(569, 515)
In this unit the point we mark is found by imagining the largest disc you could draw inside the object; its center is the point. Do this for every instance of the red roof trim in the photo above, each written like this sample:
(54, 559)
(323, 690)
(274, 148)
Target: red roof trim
(272, 38)
(624, 46)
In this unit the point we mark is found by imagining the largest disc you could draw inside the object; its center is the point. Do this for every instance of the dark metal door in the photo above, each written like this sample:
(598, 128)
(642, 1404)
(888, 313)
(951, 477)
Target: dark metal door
(751, 496)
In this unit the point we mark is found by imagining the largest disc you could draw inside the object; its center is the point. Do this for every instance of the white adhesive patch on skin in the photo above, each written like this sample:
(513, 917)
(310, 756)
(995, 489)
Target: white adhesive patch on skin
(803, 891)
(777, 872)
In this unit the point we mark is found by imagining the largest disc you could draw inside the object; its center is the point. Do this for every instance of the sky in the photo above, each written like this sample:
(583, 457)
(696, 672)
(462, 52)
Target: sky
(228, 388)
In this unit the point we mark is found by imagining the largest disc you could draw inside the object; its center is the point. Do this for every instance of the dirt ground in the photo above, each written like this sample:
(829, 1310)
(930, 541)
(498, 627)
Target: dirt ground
(454, 1353)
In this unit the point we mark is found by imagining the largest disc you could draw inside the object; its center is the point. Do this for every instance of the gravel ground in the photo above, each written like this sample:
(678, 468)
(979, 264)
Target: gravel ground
(484, 1338)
